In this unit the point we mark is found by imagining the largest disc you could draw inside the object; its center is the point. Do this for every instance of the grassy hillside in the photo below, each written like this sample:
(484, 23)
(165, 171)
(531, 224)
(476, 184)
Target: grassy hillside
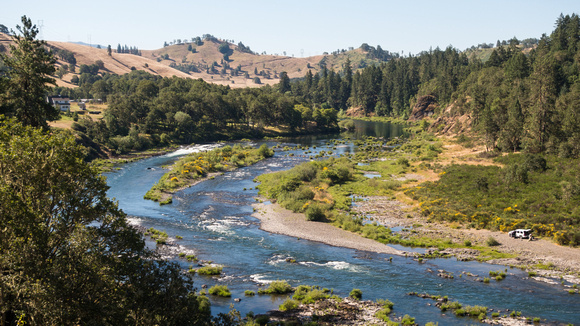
(166, 62)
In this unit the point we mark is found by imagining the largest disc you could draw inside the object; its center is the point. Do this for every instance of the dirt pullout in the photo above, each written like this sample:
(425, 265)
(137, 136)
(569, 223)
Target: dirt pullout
(276, 219)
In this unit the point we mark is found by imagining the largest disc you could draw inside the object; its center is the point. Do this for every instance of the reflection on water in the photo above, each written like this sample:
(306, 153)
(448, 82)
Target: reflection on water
(214, 219)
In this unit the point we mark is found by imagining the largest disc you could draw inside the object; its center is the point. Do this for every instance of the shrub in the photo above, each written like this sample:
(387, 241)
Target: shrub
(347, 125)
(532, 273)
(486, 280)
(535, 163)
(460, 312)
(305, 171)
(408, 320)
(277, 287)
(355, 294)
(467, 243)
(289, 304)
(220, 291)
(481, 184)
(475, 311)
(492, 242)
(210, 270)
(262, 320)
(249, 293)
(314, 212)
(315, 295)
(403, 162)
(495, 314)
(301, 292)
(453, 305)
(264, 151)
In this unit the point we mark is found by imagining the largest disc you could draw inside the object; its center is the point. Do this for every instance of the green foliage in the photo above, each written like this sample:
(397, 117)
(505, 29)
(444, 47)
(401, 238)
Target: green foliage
(315, 212)
(195, 166)
(67, 248)
(28, 78)
(492, 242)
(384, 312)
(210, 270)
(475, 311)
(544, 203)
(220, 291)
(355, 294)
(289, 304)
(296, 188)
(346, 124)
(310, 294)
(182, 111)
(408, 320)
(277, 287)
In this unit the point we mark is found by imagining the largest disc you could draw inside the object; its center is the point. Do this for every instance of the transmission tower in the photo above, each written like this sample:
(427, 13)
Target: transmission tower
(40, 26)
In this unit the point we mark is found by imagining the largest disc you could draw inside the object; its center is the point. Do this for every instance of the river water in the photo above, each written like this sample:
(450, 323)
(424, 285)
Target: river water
(214, 219)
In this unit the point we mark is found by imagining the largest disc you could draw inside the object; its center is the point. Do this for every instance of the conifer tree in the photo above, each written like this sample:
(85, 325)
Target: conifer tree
(30, 65)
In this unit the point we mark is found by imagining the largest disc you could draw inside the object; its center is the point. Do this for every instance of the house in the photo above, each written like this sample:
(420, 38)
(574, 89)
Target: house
(60, 102)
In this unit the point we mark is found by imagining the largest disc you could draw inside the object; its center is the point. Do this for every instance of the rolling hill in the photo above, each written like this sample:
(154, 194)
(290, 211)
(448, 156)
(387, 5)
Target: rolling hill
(205, 61)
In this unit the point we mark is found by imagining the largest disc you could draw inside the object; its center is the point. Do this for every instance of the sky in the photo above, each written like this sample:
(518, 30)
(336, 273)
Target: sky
(296, 27)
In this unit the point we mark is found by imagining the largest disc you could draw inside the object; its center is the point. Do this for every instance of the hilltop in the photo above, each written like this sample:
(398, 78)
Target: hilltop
(238, 67)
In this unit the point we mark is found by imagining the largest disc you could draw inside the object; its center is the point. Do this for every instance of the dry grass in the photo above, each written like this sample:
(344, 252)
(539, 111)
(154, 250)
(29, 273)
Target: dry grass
(120, 63)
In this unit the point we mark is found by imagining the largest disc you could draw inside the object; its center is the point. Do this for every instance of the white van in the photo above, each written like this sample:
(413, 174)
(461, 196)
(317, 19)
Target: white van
(520, 233)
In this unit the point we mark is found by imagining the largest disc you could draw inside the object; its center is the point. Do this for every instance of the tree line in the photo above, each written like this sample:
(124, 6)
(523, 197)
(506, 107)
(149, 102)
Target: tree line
(515, 100)
(146, 111)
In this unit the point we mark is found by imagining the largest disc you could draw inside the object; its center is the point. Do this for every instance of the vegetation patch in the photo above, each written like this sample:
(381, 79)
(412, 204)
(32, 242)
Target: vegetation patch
(276, 287)
(220, 291)
(529, 191)
(196, 166)
(210, 270)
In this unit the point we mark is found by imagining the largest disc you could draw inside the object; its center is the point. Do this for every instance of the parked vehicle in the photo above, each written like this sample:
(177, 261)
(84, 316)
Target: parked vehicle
(521, 233)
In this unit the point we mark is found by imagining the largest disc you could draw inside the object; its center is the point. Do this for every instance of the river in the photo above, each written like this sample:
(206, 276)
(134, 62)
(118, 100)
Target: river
(214, 219)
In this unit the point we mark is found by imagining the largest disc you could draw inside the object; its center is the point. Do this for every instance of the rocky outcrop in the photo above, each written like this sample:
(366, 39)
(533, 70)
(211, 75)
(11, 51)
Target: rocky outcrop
(425, 107)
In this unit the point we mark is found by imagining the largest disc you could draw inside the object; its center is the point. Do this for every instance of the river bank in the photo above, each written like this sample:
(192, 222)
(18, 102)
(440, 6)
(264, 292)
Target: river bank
(276, 219)
(544, 259)
(540, 257)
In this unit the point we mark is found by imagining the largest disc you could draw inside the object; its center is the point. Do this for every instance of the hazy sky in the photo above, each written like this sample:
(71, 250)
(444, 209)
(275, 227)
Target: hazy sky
(298, 27)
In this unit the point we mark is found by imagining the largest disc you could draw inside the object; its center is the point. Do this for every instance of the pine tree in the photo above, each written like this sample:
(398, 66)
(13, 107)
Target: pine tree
(511, 133)
(30, 66)
(284, 85)
(543, 95)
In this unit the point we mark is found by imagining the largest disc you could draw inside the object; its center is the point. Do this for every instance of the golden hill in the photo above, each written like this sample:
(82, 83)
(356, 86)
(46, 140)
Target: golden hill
(166, 62)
